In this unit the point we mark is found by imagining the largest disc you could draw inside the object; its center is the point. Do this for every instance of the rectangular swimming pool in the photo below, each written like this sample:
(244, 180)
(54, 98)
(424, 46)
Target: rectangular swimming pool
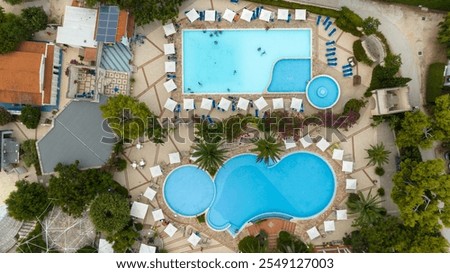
(246, 61)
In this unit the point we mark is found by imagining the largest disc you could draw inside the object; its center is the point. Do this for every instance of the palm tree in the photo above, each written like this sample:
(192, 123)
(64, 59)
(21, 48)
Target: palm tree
(210, 156)
(268, 149)
(377, 155)
(366, 206)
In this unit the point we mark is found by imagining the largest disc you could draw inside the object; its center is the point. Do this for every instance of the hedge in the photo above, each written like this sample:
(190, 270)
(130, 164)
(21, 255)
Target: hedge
(435, 81)
(360, 53)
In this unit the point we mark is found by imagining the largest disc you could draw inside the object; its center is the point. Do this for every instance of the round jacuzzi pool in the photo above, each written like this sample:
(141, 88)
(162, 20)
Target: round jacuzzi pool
(323, 92)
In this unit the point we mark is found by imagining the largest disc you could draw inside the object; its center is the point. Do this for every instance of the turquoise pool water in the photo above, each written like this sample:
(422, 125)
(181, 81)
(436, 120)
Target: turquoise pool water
(323, 92)
(243, 61)
(188, 190)
(301, 185)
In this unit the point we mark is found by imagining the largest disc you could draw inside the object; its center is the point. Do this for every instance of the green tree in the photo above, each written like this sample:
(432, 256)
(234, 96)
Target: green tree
(124, 239)
(414, 131)
(35, 18)
(30, 116)
(419, 188)
(389, 235)
(367, 207)
(377, 155)
(441, 117)
(156, 132)
(126, 116)
(210, 156)
(370, 25)
(110, 213)
(444, 33)
(29, 155)
(288, 243)
(5, 116)
(29, 202)
(268, 149)
(73, 189)
(252, 244)
(12, 32)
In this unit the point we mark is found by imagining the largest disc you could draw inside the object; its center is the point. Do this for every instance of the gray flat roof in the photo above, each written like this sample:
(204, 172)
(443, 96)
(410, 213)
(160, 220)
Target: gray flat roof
(77, 134)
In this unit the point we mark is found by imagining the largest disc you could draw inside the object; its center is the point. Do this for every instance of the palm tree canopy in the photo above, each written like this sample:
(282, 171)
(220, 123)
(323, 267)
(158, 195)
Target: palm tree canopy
(210, 156)
(378, 155)
(367, 207)
(268, 149)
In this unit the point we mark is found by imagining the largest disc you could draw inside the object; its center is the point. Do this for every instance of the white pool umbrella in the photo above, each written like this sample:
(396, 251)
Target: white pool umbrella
(188, 104)
(246, 15)
(306, 141)
(278, 103)
(155, 171)
(224, 104)
(194, 239)
(169, 49)
(338, 154)
(243, 104)
(147, 249)
(174, 158)
(323, 144)
(192, 15)
(329, 226)
(341, 214)
(170, 104)
(158, 215)
(170, 67)
(229, 15)
(347, 166)
(283, 14)
(170, 230)
(206, 104)
(170, 85)
(313, 233)
(139, 210)
(289, 143)
(150, 193)
(265, 15)
(300, 14)
(296, 104)
(169, 29)
(350, 184)
(210, 15)
(261, 103)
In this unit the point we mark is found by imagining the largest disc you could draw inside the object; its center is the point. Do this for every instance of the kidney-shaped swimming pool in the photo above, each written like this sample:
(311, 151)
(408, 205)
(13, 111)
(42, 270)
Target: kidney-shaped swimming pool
(301, 185)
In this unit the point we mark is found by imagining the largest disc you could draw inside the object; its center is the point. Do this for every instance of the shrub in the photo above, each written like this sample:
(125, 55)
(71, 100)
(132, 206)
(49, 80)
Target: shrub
(118, 164)
(30, 116)
(370, 25)
(5, 116)
(201, 218)
(381, 192)
(250, 244)
(354, 105)
(353, 198)
(360, 53)
(411, 152)
(349, 21)
(379, 171)
(288, 243)
(29, 153)
(435, 81)
(87, 249)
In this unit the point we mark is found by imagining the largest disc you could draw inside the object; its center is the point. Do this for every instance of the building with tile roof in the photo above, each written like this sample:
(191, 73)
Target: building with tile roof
(37, 62)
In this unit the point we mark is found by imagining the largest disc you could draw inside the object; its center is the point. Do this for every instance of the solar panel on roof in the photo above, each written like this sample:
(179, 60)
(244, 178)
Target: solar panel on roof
(107, 24)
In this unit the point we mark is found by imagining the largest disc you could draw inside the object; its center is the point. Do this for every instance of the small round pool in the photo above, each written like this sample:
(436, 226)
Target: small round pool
(323, 92)
(188, 191)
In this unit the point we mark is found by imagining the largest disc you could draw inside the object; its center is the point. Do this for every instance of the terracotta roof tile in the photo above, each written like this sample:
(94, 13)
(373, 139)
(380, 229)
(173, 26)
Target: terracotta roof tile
(122, 25)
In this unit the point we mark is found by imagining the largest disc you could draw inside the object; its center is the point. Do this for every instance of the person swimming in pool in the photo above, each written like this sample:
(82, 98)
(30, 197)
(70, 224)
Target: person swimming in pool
(234, 72)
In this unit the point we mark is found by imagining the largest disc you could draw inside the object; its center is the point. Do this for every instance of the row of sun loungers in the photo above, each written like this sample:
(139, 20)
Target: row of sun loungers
(331, 53)
(326, 23)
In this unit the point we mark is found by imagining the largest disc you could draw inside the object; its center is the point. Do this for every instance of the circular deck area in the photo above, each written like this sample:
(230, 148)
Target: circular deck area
(323, 92)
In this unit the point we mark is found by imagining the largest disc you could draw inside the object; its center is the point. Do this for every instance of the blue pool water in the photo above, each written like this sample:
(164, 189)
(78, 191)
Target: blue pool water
(286, 76)
(323, 92)
(188, 190)
(242, 61)
(301, 185)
